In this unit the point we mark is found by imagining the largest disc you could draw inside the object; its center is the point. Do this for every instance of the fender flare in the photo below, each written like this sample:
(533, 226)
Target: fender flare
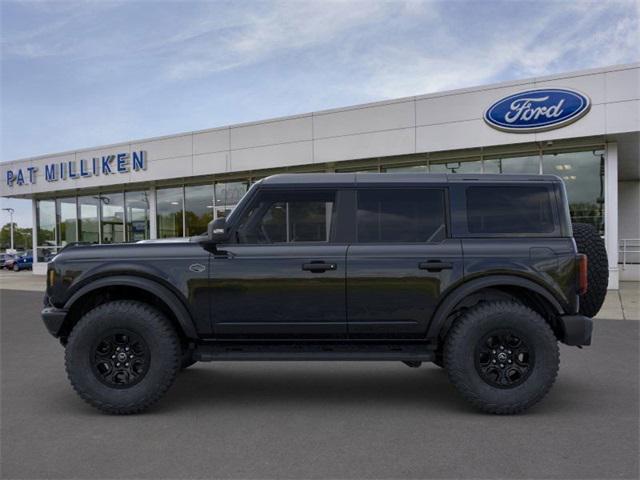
(439, 319)
(163, 293)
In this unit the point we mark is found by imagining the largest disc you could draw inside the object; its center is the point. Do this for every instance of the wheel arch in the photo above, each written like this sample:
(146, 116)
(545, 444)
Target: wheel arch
(536, 296)
(129, 287)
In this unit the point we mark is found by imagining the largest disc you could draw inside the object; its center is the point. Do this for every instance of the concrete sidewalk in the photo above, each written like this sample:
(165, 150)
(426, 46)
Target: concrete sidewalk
(623, 304)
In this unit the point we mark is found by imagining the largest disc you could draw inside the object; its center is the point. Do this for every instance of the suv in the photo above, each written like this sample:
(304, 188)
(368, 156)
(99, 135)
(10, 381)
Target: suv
(478, 274)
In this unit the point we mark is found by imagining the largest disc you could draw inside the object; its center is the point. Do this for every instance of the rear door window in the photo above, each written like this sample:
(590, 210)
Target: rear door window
(509, 209)
(413, 215)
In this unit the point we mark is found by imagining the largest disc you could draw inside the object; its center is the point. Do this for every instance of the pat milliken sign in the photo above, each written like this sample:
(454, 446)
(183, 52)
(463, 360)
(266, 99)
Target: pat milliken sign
(537, 110)
(117, 163)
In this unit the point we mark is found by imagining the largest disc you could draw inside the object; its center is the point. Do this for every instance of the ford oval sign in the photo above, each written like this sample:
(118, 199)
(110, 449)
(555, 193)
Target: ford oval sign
(537, 110)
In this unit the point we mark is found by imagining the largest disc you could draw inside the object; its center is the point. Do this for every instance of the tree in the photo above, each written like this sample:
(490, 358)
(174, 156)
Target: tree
(22, 237)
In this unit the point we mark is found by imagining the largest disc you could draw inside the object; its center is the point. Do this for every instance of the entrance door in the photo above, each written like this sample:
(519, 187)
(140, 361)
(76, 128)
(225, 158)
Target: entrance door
(285, 275)
(401, 262)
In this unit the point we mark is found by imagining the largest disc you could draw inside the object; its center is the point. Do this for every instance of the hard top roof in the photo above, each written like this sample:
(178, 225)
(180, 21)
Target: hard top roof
(335, 179)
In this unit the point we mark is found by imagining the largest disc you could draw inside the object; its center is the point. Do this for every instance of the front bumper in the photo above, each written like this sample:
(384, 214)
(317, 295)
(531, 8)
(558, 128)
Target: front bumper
(53, 319)
(577, 329)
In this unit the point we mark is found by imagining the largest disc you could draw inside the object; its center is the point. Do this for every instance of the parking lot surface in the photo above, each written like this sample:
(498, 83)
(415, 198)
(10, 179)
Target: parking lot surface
(316, 419)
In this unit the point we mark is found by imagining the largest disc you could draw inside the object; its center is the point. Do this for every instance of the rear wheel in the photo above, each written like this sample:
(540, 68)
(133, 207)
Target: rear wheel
(122, 356)
(502, 357)
(589, 242)
(16, 268)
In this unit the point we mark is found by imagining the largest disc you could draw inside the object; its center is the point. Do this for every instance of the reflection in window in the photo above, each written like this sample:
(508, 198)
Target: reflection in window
(67, 220)
(169, 212)
(112, 217)
(408, 169)
(137, 215)
(198, 208)
(408, 215)
(88, 219)
(583, 175)
(462, 166)
(46, 222)
(227, 195)
(509, 209)
(289, 217)
(523, 165)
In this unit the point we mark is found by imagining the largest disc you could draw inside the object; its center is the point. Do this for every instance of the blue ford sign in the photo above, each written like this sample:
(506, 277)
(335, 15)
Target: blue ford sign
(537, 110)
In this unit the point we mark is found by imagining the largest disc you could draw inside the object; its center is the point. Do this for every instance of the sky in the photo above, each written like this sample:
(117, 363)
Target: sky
(87, 73)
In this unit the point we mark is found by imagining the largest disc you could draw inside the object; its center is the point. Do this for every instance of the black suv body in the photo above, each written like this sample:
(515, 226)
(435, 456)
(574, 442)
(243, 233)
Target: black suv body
(454, 269)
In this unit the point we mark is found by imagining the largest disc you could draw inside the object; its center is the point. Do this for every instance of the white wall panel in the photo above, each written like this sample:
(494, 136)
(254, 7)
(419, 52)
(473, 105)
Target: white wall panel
(272, 156)
(210, 163)
(361, 120)
(456, 108)
(166, 168)
(367, 145)
(593, 123)
(592, 85)
(271, 133)
(166, 147)
(623, 116)
(623, 85)
(212, 141)
(469, 134)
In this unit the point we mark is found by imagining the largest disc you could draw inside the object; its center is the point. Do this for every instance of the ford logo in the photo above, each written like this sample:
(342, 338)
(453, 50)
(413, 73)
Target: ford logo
(537, 110)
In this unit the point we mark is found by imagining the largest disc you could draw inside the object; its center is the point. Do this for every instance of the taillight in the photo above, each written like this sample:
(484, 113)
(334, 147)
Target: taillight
(583, 280)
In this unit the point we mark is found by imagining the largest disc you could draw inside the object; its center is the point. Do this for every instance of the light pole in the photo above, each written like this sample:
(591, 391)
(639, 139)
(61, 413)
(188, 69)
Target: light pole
(11, 212)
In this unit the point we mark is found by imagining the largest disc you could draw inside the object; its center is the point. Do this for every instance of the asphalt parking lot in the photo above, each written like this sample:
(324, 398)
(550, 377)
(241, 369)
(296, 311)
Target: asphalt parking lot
(316, 420)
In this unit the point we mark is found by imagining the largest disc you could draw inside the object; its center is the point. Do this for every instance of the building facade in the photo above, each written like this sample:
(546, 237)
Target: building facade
(582, 126)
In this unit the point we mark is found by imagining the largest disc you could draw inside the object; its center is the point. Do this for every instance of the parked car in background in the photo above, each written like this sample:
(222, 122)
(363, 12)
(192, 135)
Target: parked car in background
(6, 258)
(23, 262)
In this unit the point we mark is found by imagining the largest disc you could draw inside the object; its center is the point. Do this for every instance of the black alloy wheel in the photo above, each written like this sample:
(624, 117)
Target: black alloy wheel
(504, 359)
(120, 359)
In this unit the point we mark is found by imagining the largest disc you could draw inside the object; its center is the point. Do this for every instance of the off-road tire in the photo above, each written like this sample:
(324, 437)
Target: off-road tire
(161, 341)
(589, 242)
(460, 356)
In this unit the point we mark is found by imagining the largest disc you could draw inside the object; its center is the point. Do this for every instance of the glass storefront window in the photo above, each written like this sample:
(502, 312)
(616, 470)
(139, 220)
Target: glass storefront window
(169, 212)
(227, 195)
(88, 228)
(46, 228)
(583, 175)
(408, 169)
(67, 220)
(137, 215)
(453, 166)
(524, 165)
(112, 217)
(198, 208)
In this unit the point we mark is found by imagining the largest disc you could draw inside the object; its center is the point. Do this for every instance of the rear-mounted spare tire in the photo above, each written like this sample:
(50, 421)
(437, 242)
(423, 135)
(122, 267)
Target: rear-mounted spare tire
(589, 243)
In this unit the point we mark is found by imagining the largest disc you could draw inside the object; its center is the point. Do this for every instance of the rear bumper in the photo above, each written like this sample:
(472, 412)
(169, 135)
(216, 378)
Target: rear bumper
(577, 329)
(53, 319)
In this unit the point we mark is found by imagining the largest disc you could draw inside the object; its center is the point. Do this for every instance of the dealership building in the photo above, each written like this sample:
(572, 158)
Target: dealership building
(582, 126)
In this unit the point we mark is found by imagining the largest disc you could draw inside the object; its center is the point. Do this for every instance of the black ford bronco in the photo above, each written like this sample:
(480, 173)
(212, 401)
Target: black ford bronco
(478, 274)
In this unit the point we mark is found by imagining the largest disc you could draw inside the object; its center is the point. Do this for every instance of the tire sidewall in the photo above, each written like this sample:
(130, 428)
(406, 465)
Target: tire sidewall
(141, 320)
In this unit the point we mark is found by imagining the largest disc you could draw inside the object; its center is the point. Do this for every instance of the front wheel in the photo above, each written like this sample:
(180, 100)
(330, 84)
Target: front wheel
(502, 357)
(16, 268)
(122, 356)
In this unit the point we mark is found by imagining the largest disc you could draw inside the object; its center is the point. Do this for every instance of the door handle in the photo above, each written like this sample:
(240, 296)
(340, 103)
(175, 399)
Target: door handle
(318, 267)
(435, 266)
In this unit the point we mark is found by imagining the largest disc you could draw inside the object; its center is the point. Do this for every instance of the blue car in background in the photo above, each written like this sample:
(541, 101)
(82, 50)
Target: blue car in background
(23, 262)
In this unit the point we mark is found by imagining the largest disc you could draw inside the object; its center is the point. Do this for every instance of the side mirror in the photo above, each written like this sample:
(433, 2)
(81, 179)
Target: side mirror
(217, 231)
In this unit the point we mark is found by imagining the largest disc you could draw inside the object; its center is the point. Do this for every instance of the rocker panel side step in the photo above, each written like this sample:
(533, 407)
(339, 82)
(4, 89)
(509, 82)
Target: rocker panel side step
(212, 352)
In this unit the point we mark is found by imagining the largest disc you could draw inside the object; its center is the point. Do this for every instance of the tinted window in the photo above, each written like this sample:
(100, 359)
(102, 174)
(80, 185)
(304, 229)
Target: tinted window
(289, 217)
(511, 209)
(407, 215)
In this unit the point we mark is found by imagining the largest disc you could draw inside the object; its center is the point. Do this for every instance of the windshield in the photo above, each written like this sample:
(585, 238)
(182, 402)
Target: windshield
(242, 201)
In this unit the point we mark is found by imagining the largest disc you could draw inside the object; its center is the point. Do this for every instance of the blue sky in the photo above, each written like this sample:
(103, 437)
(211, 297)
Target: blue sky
(81, 74)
